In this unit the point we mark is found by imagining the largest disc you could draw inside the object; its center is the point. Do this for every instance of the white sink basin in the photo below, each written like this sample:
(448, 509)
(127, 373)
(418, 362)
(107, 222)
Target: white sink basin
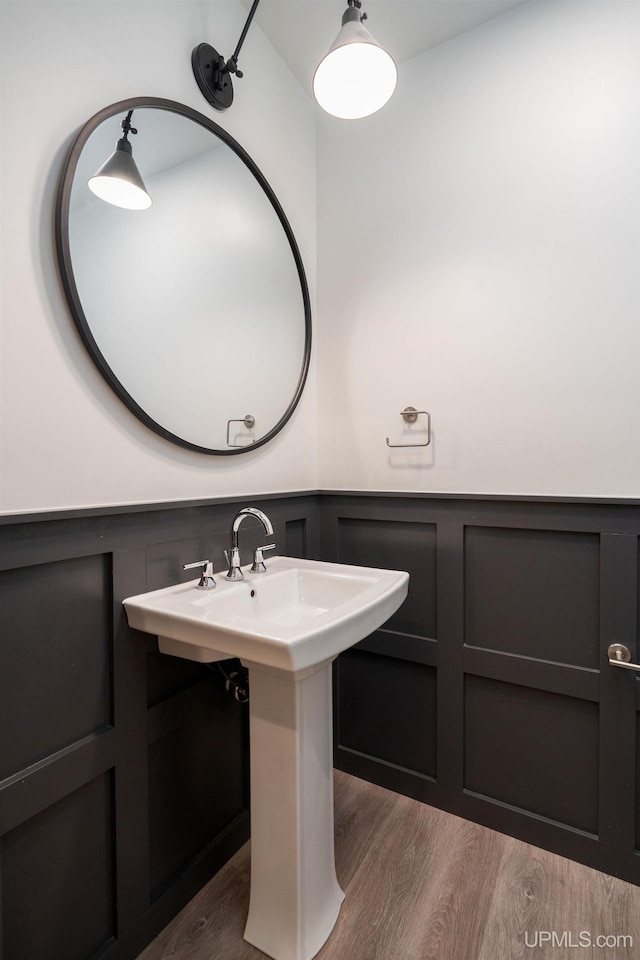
(286, 625)
(298, 614)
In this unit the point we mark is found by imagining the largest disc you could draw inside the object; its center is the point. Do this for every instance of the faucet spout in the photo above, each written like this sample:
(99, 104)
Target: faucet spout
(235, 573)
(249, 512)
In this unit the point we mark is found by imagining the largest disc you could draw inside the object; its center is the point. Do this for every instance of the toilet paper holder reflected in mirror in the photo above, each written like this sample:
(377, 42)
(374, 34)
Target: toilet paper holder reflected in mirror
(249, 421)
(410, 415)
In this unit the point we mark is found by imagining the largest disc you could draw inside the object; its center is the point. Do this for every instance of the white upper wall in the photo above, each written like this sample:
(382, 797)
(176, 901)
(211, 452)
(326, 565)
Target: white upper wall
(65, 439)
(479, 244)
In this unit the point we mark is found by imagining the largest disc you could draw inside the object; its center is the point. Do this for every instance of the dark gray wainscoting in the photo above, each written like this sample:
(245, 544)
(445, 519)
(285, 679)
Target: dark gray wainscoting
(489, 693)
(123, 773)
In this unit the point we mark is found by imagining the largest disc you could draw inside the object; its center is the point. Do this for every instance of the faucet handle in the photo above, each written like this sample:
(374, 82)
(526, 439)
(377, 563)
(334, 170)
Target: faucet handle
(258, 561)
(206, 574)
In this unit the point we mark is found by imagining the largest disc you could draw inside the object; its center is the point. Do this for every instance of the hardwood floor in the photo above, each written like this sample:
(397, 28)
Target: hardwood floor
(422, 884)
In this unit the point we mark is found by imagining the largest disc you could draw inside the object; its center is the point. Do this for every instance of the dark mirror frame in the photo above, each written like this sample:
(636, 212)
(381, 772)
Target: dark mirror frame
(65, 267)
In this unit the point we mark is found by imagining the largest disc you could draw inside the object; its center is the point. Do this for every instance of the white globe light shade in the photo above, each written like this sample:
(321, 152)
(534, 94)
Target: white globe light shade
(357, 77)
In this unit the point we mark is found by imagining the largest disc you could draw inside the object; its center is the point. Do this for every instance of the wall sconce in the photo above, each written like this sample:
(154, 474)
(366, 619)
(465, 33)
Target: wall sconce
(354, 79)
(118, 180)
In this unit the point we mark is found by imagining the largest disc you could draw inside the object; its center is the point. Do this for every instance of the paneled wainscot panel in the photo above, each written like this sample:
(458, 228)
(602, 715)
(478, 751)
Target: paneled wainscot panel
(296, 538)
(534, 750)
(55, 657)
(58, 878)
(397, 546)
(197, 742)
(533, 593)
(387, 709)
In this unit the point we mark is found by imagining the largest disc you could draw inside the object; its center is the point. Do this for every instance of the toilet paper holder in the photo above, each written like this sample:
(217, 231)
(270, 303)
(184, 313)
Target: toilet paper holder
(410, 415)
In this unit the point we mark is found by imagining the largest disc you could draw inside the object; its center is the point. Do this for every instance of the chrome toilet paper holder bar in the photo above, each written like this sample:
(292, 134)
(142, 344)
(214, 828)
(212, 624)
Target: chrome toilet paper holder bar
(410, 415)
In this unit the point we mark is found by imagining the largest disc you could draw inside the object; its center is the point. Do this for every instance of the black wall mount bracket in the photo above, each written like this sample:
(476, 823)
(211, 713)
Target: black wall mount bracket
(212, 76)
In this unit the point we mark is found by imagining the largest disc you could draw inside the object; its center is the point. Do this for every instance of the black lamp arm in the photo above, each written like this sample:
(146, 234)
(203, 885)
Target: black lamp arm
(231, 66)
(126, 126)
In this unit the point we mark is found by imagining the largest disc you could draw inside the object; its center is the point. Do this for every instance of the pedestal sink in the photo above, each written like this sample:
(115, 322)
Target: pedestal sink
(286, 625)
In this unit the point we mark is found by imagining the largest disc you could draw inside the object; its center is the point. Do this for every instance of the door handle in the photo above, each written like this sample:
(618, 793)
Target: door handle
(620, 656)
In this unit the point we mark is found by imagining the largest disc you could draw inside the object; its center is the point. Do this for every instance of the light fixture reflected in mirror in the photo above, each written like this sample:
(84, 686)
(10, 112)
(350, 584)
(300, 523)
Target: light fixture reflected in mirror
(118, 180)
(357, 76)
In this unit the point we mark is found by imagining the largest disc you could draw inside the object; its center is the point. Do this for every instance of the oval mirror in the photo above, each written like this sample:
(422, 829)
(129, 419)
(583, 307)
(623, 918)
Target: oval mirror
(195, 310)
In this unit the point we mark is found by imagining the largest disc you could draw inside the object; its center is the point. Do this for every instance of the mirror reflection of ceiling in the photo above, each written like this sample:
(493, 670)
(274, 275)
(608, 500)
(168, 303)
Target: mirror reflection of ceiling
(302, 30)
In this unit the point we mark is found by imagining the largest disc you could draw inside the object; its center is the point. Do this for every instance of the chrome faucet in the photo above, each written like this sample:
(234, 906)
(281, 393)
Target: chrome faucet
(233, 559)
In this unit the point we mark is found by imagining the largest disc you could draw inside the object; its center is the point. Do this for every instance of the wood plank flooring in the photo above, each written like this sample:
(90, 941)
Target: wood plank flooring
(422, 884)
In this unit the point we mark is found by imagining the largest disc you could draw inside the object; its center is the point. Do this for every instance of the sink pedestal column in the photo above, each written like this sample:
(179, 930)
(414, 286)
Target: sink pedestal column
(295, 897)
